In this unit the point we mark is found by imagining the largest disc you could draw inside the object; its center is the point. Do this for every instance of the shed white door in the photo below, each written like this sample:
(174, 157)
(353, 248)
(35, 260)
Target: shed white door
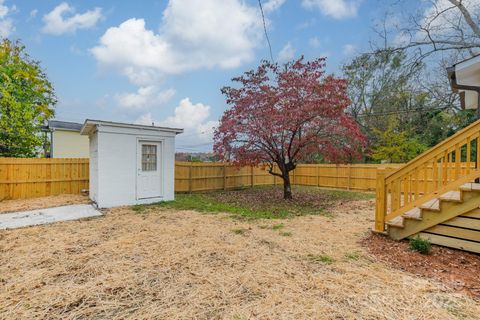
(149, 176)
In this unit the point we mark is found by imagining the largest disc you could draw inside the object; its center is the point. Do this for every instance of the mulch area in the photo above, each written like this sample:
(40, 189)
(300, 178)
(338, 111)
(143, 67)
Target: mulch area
(456, 269)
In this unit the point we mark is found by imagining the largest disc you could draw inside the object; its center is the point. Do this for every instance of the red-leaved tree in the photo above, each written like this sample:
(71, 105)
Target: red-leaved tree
(281, 114)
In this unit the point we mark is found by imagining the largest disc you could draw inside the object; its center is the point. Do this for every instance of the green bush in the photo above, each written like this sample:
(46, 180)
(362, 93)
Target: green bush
(421, 245)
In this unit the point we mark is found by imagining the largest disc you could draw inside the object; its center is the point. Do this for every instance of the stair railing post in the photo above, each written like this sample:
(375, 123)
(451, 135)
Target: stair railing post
(381, 201)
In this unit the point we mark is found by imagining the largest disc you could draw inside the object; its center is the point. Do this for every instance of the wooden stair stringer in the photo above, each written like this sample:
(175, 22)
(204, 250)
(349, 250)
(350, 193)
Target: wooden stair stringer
(430, 218)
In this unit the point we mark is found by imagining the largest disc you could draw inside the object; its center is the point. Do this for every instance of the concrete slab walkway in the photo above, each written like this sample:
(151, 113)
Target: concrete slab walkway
(47, 215)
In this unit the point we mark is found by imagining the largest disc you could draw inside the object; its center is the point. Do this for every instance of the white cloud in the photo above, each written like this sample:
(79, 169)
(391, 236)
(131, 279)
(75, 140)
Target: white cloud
(149, 96)
(287, 53)
(33, 13)
(314, 42)
(193, 34)
(6, 23)
(337, 9)
(272, 5)
(349, 49)
(3, 9)
(402, 39)
(440, 17)
(146, 119)
(193, 118)
(62, 19)
(6, 28)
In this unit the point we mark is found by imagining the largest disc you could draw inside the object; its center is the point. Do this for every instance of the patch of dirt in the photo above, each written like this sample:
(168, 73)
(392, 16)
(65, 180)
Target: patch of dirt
(456, 269)
(40, 203)
(167, 264)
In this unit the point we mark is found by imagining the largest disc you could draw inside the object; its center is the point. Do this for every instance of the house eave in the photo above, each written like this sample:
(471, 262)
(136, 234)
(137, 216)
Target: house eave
(464, 78)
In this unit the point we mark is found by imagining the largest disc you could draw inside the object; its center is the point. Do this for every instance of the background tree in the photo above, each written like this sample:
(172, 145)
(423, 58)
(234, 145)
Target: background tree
(26, 101)
(436, 27)
(404, 74)
(281, 114)
(396, 146)
(386, 89)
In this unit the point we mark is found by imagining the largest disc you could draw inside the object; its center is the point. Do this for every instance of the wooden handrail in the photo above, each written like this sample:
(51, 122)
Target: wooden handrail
(410, 186)
(451, 186)
(446, 144)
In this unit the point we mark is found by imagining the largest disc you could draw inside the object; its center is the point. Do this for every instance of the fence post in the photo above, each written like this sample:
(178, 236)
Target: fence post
(349, 175)
(190, 182)
(251, 176)
(336, 175)
(380, 201)
(224, 176)
(318, 175)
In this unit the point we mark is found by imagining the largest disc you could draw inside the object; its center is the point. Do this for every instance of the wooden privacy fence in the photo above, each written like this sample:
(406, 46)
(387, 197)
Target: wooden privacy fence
(34, 177)
(206, 176)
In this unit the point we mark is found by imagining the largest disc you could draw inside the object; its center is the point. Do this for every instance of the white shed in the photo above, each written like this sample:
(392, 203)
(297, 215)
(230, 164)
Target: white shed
(130, 164)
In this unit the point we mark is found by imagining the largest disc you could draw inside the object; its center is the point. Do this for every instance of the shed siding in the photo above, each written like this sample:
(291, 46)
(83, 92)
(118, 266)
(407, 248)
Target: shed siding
(116, 172)
(94, 167)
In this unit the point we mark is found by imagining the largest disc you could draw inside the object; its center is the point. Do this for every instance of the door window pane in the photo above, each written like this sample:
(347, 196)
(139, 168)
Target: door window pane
(149, 157)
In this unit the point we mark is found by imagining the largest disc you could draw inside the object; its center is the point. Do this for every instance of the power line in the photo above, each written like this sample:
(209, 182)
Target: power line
(265, 29)
(400, 112)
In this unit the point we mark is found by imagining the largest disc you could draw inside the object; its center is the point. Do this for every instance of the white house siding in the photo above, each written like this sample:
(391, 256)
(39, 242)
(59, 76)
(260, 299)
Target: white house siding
(69, 144)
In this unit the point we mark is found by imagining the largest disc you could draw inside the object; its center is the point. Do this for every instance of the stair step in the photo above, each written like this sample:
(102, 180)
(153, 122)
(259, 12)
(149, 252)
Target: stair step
(432, 205)
(471, 186)
(453, 196)
(396, 222)
(415, 214)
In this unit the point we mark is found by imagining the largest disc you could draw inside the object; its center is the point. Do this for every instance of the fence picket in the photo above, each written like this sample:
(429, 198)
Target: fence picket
(37, 177)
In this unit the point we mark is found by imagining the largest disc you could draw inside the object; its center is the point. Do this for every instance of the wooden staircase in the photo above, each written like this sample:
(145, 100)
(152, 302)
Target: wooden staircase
(435, 195)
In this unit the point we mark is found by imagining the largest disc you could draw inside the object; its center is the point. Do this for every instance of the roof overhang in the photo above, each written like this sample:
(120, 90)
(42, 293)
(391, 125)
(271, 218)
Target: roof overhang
(90, 126)
(465, 80)
(63, 125)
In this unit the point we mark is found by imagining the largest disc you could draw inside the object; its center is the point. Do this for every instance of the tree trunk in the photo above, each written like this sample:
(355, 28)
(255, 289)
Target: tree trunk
(287, 188)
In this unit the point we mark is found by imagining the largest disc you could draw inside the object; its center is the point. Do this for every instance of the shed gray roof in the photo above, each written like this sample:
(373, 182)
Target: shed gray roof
(55, 124)
(90, 125)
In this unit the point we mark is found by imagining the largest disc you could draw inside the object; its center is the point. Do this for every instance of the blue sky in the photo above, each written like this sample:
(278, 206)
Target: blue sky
(165, 61)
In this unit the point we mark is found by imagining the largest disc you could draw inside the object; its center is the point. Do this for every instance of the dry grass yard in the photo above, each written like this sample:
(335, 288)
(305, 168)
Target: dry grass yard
(160, 262)
(44, 202)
